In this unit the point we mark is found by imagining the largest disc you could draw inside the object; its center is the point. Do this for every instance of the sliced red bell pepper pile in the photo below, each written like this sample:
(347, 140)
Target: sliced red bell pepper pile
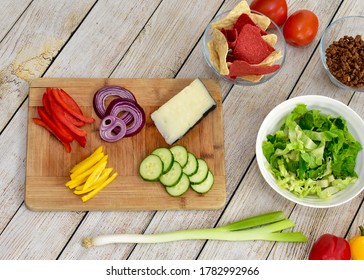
(62, 117)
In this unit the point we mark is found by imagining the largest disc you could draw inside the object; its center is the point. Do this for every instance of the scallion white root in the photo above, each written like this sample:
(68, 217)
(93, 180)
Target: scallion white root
(262, 227)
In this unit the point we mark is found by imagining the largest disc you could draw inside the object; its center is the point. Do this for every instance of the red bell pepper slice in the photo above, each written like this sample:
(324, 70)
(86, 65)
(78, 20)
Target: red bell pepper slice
(68, 116)
(48, 121)
(70, 105)
(81, 140)
(46, 104)
(73, 119)
(58, 113)
(60, 138)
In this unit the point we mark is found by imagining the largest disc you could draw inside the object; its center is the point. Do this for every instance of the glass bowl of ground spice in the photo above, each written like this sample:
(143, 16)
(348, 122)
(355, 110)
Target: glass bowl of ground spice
(342, 52)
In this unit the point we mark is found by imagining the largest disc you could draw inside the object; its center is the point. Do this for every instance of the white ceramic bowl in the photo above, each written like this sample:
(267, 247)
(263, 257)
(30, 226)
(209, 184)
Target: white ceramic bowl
(274, 120)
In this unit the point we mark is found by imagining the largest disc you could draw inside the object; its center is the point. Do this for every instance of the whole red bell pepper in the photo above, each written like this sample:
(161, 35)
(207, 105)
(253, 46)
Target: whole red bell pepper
(330, 247)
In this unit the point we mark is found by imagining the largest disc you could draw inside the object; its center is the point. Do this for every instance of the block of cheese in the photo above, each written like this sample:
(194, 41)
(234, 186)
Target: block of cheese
(180, 113)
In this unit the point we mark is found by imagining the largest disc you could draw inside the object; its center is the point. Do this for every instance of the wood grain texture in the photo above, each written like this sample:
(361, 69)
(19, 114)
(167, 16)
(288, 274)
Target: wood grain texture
(316, 222)
(26, 53)
(25, 222)
(12, 171)
(9, 14)
(167, 39)
(244, 109)
(103, 39)
(48, 164)
(159, 38)
(150, 39)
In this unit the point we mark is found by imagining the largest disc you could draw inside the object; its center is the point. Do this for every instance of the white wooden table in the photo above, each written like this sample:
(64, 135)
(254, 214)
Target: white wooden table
(156, 38)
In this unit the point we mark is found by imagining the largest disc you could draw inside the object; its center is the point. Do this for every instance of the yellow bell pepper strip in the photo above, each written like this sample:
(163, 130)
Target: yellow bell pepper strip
(78, 188)
(76, 183)
(357, 245)
(99, 150)
(82, 178)
(103, 177)
(95, 191)
(87, 165)
(94, 176)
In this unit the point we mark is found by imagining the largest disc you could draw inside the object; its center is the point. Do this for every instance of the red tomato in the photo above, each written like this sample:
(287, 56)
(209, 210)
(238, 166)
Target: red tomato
(276, 10)
(301, 28)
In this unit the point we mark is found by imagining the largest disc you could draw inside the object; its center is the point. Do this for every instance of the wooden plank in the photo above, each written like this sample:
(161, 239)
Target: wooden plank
(121, 222)
(9, 13)
(12, 171)
(125, 13)
(48, 164)
(163, 45)
(26, 53)
(103, 39)
(358, 221)
(36, 240)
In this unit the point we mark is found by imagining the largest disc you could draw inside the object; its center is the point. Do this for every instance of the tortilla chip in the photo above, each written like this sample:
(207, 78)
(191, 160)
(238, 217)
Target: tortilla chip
(230, 19)
(214, 58)
(271, 39)
(270, 59)
(250, 46)
(221, 48)
(245, 19)
(242, 20)
(262, 21)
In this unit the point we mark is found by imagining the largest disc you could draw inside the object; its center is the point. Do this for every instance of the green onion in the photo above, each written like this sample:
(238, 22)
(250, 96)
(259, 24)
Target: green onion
(262, 227)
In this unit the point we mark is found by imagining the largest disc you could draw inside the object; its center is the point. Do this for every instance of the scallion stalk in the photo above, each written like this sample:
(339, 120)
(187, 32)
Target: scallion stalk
(262, 227)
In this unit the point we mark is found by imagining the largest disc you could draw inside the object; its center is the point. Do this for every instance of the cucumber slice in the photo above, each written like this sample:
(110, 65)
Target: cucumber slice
(166, 156)
(180, 154)
(172, 176)
(180, 188)
(191, 166)
(201, 173)
(204, 186)
(151, 168)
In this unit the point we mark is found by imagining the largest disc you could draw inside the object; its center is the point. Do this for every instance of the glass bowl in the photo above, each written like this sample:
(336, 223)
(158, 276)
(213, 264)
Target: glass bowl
(327, 106)
(350, 26)
(272, 29)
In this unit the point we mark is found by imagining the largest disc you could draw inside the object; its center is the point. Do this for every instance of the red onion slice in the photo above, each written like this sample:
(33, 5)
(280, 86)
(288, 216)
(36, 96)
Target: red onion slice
(112, 129)
(120, 105)
(126, 116)
(101, 95)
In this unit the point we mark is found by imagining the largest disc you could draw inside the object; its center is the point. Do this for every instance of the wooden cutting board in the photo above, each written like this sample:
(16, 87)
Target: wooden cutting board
(48, 165)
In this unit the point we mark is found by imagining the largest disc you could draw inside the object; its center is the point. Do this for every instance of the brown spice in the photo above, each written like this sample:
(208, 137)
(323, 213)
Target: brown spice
(345, 60)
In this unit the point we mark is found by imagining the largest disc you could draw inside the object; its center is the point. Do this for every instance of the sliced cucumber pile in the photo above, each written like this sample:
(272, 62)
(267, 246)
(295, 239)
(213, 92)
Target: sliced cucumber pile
(177, 169)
